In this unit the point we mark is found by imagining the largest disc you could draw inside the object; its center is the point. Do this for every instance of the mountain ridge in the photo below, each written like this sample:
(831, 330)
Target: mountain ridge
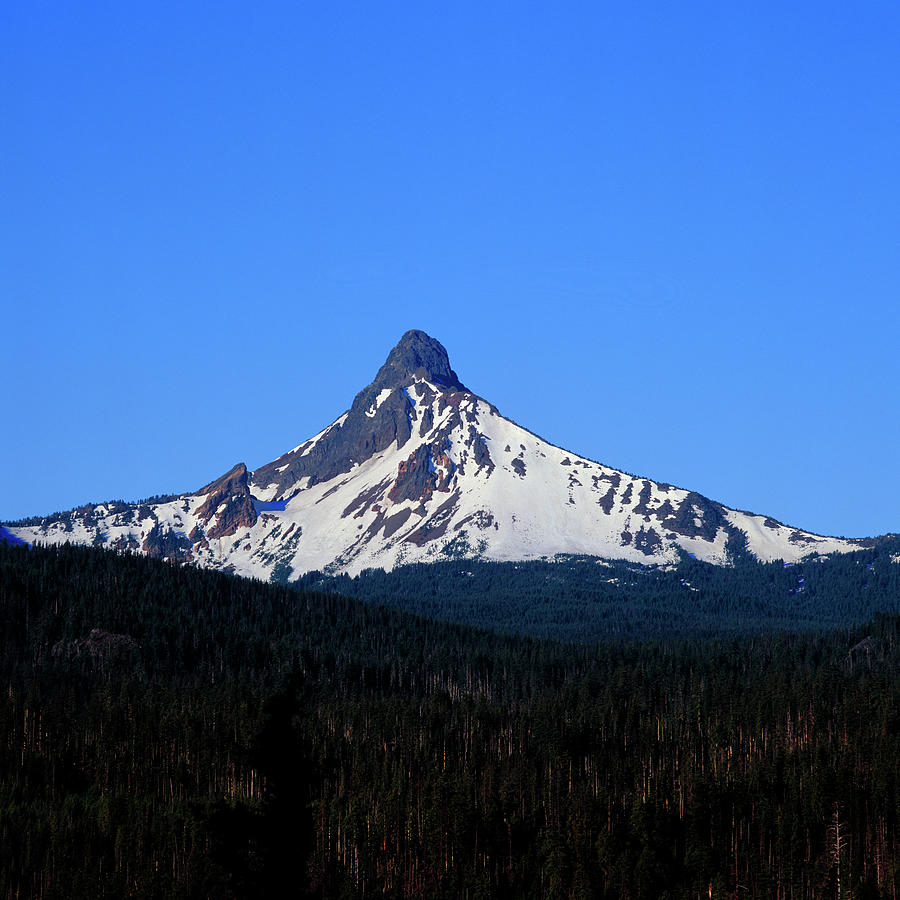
(420, 468)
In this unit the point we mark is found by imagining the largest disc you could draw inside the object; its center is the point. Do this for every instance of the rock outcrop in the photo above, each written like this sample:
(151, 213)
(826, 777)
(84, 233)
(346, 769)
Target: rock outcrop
(229, 502)
(381, 415)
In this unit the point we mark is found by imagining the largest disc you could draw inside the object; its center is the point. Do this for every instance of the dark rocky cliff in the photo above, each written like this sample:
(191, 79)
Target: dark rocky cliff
(369, 426)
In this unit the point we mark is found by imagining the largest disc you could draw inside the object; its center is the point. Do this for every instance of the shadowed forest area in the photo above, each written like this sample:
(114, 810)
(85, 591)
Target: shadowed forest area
(585, 599)
(174, 732)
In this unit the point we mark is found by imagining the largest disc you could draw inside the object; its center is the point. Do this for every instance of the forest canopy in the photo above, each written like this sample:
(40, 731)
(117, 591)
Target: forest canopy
(175, 732)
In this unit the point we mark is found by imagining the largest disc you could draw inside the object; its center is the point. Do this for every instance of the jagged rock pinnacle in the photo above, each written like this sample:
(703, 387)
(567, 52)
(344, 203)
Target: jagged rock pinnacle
(382, 414)
(418, 355)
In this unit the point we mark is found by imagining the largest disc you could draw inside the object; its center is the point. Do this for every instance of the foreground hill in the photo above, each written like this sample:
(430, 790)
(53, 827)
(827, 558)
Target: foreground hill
(586, 599)
(421, 469)
(170, 732)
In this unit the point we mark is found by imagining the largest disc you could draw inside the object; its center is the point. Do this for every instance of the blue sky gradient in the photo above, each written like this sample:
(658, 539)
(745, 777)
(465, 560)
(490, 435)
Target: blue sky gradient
(663, 236)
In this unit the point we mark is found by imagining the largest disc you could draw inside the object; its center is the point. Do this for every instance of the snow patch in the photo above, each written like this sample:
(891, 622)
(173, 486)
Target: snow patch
(382, 396)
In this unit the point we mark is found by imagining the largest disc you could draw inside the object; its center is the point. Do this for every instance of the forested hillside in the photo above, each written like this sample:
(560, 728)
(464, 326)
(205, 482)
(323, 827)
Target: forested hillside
(175, 732)
(589, 599)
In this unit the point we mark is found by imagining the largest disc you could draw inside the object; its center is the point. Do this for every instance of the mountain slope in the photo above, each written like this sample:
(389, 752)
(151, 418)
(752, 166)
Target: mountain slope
(421, 469)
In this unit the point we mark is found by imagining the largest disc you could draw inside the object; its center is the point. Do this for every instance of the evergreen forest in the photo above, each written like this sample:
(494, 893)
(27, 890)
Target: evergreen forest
(578, 598)
(172, 732)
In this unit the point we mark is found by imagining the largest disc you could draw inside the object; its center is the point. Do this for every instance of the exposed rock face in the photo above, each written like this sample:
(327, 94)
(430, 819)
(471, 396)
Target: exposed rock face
(479, 450)
(695, 516)
(164, 543)
(381, 415)
(435, 527)
(428, 469)
(414, 481)
(233, 481)
(229, 500)
(417, 356)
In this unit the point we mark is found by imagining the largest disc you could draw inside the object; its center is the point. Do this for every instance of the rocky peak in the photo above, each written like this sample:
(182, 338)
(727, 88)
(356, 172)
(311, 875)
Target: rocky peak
(234, 481)
(381, 415)
(228, 499)
(417, 355)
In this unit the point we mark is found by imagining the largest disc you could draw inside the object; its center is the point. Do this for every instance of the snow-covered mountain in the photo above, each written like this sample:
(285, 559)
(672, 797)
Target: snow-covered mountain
(420, 469)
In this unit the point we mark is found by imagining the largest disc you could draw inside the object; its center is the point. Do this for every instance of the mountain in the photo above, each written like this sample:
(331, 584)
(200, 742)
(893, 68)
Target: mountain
(421, 469)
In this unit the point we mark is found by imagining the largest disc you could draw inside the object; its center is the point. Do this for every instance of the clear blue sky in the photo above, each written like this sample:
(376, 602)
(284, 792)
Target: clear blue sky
(665, 236)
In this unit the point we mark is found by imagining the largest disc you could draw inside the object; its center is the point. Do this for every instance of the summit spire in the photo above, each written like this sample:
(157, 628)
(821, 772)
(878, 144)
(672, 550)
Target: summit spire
(418, 355)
